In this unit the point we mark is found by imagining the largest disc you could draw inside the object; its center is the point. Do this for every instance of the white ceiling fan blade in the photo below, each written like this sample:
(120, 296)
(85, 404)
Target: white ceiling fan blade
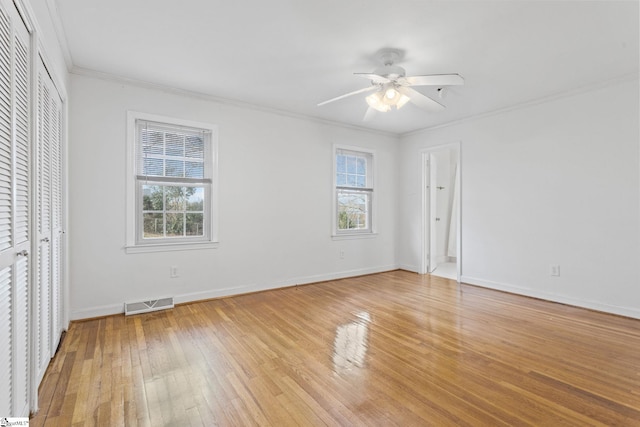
(371, 112)
(433, 80)
(421, 100)
(376, 78)
(355, 92)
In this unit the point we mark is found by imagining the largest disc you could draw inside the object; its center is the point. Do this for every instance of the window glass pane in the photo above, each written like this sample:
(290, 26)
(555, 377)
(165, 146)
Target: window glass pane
(175, 224)
(362, 165)
(194, 169)
(152, 198)
(195, 199)
(351, 180)
(194, 147)
(353, 211)
(361, 180)
(152, 166)
(195, 224)
(351, 164)
(341, 164)
(174, 144)
(341, 179)
(151, 142)
(175, 198)
(174, 168)
(152, 225)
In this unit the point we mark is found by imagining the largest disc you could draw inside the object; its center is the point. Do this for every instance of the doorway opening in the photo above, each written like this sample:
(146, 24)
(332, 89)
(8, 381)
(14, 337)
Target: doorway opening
(441, 211)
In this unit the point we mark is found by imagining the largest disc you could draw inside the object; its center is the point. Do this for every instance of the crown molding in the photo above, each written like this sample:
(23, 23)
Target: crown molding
(526, 104)
(80, 71)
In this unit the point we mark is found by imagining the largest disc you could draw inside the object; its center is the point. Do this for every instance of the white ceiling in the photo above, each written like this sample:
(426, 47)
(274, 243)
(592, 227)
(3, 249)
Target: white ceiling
(291, 54)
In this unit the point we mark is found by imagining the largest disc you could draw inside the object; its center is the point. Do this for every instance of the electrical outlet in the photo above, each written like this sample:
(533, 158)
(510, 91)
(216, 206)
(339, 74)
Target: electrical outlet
(341, 253)
(554, 269)
(173, 272)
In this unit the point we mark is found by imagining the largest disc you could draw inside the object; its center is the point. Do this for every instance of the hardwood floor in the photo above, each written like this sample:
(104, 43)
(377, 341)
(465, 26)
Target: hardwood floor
(387, 349)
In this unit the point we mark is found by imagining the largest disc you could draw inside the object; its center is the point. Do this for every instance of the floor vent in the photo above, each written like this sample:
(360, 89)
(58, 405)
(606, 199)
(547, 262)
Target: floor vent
(147, 306)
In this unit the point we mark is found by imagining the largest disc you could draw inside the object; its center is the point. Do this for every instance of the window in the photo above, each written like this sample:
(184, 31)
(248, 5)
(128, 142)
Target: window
(353, 191)
(172, 184)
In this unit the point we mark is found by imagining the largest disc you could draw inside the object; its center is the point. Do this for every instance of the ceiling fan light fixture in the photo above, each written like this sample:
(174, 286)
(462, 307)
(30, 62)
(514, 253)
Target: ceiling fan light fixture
(390, 94)
(391, 87)
(377, 102)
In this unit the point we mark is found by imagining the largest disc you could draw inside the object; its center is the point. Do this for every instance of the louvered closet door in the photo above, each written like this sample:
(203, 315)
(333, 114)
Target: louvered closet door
(55, 210)
(42, 285)
(14, 212)
(48, 220)
(43, 203)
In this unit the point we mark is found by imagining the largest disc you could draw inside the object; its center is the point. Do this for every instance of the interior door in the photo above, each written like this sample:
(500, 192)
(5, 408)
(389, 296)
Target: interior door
(14, 211)
(433, 205)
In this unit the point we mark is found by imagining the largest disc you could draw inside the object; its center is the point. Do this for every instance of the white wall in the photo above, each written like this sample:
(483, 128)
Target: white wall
(275, 202)
(552, 183)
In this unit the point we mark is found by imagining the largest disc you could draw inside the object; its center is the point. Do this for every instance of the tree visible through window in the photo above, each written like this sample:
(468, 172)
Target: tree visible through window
(354, 190)
(172, 211)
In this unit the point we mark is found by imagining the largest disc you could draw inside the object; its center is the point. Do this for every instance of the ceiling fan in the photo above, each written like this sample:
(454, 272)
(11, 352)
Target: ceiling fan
(391, 87)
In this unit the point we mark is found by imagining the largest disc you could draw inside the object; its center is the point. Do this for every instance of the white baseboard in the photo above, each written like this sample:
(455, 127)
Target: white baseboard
(276, 284)
(411, 268)
(99, 311)
(107, 310)
(111, 309)
(563, 299)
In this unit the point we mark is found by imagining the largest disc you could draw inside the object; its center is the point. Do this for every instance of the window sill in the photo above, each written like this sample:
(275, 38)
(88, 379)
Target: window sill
(169, 247)
(350, 236)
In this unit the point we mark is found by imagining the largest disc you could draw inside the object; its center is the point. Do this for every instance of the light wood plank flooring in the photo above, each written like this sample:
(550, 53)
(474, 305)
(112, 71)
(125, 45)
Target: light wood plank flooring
(387, 349)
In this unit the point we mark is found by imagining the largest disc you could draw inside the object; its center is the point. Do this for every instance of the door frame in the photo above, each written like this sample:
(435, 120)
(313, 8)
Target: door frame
(426, 217)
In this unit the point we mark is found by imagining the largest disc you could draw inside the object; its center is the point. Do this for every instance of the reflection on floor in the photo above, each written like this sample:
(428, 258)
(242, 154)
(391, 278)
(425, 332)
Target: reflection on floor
(447, 270)
(395, 348)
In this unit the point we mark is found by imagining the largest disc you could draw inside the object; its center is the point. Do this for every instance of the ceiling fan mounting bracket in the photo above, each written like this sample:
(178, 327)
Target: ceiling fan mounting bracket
(389, 56)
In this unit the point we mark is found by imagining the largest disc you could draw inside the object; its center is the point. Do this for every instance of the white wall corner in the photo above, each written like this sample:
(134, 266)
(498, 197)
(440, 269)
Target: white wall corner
(410, 268)
(54, 15)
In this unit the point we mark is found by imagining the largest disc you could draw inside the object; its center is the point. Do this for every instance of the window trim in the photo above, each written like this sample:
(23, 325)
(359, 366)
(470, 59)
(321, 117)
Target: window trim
(371, 188)
(132, 218)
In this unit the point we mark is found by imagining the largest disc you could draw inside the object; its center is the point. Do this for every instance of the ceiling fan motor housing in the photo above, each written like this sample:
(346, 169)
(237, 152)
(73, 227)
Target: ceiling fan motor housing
(392, 72)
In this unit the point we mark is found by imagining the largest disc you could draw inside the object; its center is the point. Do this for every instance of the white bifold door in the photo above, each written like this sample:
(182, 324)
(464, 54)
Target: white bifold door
(15, 202)
(31, 243)
(48, 221)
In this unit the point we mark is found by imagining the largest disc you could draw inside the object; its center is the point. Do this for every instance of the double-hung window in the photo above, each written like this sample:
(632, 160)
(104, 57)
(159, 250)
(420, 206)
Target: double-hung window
(354, 187)
(173, 178)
